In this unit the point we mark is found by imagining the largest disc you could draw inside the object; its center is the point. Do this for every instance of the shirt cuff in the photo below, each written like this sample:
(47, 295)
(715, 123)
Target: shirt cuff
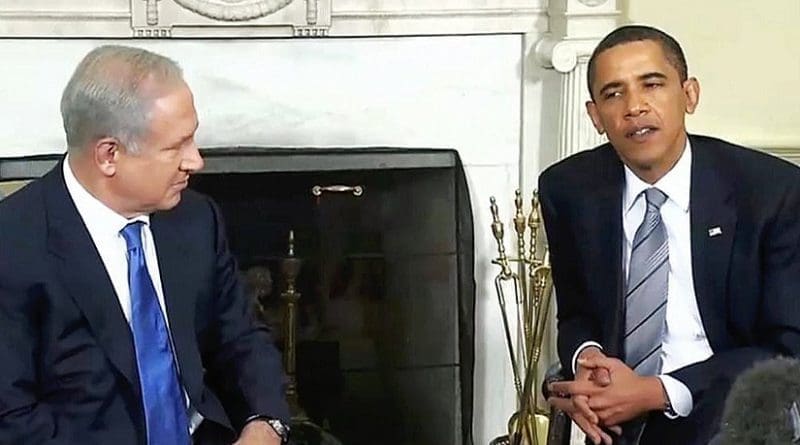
(580, 349)
(679, 397)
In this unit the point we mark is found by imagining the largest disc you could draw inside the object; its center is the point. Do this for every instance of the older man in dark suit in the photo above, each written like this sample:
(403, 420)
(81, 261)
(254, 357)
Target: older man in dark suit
(124, 320)
(676, 258)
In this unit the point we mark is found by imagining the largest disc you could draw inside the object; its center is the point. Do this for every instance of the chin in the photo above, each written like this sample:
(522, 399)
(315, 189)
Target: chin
(170, 203)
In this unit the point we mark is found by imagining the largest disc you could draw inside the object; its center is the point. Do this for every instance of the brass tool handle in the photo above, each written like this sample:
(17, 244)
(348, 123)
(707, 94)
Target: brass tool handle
(356, 190)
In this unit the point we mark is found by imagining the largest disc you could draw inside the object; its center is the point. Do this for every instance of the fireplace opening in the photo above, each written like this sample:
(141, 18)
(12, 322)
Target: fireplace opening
(384, 320)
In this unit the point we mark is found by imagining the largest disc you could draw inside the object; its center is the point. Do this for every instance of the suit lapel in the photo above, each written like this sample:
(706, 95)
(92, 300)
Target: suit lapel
(176, 279)
(603, 208)
(713, 223)
(82, 271)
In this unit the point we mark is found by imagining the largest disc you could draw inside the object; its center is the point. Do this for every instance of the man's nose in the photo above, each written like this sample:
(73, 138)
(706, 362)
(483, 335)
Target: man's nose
(636, 104)
(192, 160)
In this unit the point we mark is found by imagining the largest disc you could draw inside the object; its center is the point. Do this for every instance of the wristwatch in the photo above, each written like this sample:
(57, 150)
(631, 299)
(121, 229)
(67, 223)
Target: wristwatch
(280, 428)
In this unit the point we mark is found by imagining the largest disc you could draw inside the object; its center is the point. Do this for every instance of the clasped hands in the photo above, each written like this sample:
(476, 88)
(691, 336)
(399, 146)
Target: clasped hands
(604, 394)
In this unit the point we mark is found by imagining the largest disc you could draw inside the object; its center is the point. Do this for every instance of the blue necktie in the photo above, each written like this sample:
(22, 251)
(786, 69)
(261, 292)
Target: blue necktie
(162, 396)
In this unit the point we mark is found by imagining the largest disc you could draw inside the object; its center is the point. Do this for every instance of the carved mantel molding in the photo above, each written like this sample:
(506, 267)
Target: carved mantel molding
(561, 54)
(577, 26)
(269, 18)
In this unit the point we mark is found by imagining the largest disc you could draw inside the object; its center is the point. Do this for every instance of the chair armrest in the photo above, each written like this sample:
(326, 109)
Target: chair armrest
(554, 374)
(560, 425)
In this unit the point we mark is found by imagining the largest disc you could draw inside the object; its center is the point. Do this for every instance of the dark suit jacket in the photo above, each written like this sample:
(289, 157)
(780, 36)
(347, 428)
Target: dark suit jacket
(747, 280)
(67, 365)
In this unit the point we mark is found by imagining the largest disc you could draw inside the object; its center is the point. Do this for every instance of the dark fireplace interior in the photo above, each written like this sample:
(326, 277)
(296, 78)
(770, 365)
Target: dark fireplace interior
(378, 352)
(384, 338)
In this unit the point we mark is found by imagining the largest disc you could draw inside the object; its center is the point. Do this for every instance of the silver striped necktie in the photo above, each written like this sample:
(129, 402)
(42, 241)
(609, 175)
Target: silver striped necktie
(646, 291)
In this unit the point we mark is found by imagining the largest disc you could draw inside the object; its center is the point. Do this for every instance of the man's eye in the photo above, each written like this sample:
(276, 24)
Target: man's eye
(652, 84)
(612, 94)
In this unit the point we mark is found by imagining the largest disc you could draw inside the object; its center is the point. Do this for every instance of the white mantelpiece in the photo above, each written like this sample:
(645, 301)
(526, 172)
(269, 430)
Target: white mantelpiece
(502, 81)
(267, 18)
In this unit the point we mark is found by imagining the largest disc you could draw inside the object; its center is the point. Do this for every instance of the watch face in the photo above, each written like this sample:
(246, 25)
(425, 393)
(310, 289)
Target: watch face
(279, 428)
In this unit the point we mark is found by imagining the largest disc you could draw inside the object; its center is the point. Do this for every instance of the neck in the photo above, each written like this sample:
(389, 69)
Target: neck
(653, 173)
(96, 184)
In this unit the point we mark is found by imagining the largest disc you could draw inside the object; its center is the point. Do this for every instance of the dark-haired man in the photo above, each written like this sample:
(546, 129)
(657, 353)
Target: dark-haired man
(676, 258)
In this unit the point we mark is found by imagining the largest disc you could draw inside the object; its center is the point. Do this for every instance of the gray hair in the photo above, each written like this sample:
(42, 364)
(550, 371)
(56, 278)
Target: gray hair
(105, 97)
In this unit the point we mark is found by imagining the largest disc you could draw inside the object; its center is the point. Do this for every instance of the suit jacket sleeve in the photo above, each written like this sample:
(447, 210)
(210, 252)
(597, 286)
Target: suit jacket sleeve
(576, 323)
(23, 418)
(243, 364)
(778, 326)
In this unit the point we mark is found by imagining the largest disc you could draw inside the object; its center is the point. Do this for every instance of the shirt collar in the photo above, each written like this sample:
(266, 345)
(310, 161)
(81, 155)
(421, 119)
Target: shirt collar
(675, 184)
(97, 217)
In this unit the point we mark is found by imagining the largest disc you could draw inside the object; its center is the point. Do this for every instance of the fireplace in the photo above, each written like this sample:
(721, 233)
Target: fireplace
(385, 321)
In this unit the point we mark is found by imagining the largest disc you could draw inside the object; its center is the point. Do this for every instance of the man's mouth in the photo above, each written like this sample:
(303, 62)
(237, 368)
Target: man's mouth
(641, 133)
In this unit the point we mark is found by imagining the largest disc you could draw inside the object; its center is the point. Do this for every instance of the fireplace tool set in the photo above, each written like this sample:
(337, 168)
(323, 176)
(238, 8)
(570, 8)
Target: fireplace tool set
(525, 316)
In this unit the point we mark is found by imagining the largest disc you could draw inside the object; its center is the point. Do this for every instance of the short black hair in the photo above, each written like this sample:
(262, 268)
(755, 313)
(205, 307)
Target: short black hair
(637, 33)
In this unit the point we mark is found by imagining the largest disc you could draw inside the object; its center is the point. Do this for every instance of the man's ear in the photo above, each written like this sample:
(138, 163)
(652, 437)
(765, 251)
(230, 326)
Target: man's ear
(591, 109)
(691, 88)
(106, 152)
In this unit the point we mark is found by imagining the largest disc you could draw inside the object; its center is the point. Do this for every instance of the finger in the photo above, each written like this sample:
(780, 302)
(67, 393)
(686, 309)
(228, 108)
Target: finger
(614, 416)
(582, 405)
(592, 431)
(583, 374)
(562, 404)
(586, 388)
(616, 429)
(601, 376)
(605, 437)
(599, 362)
(600, 402)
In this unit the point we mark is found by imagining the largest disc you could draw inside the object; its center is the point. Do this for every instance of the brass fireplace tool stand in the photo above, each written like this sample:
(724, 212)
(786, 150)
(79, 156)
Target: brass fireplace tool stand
(529, 275)
(303, 430)
(290, 269)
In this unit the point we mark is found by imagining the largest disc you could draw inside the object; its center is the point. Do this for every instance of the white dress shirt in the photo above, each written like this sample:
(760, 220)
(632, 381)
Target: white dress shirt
(104, 226)
(685, 341)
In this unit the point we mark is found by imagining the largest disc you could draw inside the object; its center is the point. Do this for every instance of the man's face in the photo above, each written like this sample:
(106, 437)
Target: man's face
(154, 178)
(640, 104)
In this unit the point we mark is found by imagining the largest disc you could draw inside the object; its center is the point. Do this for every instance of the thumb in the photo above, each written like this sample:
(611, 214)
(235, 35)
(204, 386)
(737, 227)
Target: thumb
(596, 362)
(601, 376)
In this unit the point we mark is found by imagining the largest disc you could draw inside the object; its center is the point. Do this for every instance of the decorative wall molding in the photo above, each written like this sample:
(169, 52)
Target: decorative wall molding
(562, 55)
(592, 3)
(576, 131)
(230, 18)
(47, 15)
(234, 10)
(431, 19)
(576, 28)
(271, 18)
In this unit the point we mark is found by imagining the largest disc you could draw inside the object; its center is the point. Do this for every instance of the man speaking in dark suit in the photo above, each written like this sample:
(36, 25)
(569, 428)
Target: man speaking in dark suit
(123, 317)
(676, 258)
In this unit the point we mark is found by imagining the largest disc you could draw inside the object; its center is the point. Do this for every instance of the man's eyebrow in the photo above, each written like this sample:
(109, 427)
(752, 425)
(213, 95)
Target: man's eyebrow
(653, 75)
(610, 85)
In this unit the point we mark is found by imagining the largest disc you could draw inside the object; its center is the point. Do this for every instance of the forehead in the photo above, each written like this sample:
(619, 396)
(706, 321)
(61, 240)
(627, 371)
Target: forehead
(631, 60)
(172, 114)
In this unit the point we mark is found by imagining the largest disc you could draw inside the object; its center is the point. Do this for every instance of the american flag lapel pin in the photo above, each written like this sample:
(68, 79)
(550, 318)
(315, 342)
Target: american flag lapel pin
(714, 231)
